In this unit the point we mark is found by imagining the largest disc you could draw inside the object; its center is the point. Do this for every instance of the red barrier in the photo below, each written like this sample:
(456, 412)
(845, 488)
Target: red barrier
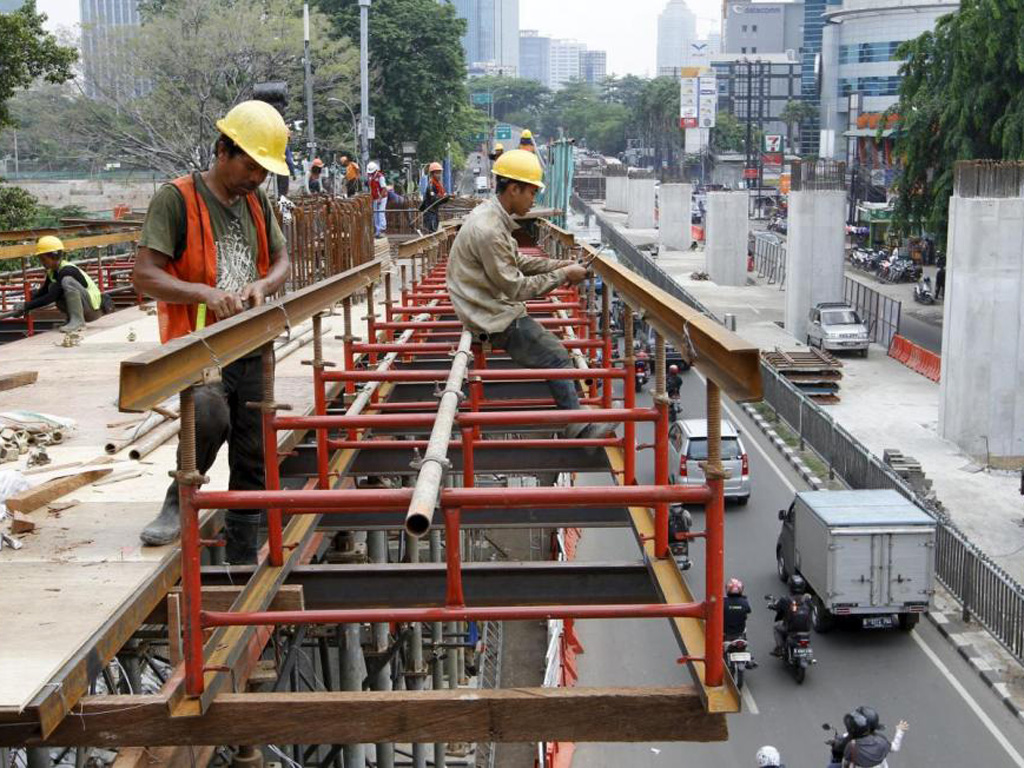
(916, 358)
(697, 232)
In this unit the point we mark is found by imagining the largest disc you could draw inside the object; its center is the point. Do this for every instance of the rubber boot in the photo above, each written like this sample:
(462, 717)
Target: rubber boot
(241, 530)
(76, 312)
(165, 527)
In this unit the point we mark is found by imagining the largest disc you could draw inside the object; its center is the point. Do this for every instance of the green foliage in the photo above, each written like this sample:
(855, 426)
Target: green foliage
(17, 208)
(729, 134)
(510, 94)
(418, 73)
(794, 113)
(28, 52)
(960, 99)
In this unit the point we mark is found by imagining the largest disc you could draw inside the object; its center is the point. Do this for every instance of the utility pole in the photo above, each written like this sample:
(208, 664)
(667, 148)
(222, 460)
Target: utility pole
(311, 135)
(364, 82)
(750, 127)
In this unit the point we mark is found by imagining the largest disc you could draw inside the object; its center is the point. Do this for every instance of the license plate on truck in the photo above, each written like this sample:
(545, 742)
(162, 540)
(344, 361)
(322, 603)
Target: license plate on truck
(878, 622)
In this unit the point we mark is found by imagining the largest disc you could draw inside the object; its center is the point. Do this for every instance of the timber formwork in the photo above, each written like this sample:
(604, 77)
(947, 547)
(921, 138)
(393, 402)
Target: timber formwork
(483, 417)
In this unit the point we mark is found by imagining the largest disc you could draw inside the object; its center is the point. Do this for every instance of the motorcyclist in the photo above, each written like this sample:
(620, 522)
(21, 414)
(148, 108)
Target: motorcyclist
(856, 726)
(792, 613)
(736, 608)
(673, 382)
(768, 757)
(870, 748)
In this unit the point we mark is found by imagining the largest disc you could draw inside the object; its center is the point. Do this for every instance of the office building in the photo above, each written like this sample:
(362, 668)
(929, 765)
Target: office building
(860, 70)
(758, 28)
(758, 87)
(677, 31)
(491, 42)
(810, 54)
(565, 63)
(534, 56)
(104, 27)
(593, 66)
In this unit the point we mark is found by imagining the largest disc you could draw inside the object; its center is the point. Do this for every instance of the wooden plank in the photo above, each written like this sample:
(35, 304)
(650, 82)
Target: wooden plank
(501, 715)
(220, 598)
(19, 379)
(72, 244)
(164, 757)
(34, 498)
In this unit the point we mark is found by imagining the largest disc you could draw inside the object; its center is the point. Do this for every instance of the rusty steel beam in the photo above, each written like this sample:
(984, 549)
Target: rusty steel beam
(721, 355)
(419, 244)
(150, 378)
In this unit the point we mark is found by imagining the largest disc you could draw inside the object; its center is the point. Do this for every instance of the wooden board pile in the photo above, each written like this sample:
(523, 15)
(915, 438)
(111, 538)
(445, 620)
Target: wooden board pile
(814, 372)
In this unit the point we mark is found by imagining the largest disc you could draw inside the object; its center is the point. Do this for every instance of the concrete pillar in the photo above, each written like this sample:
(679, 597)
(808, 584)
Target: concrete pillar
(814, 253)
(615, 193)
(640, 208)
(981, 403)
(725, 237)
(674, 218)
(352, 670)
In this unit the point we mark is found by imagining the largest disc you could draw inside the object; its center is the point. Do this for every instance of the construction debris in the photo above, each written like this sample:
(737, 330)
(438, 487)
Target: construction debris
(19, 379)
(910, 470)
(33, 498)
(814, 372)
(699, 275)
(21, 430)
(21, 524)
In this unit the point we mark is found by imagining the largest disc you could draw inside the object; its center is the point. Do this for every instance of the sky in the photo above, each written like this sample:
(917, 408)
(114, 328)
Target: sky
(627, 31)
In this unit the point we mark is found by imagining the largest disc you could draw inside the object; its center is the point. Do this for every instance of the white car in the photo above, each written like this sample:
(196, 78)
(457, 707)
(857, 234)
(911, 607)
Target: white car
(688, 447)
(837, 327)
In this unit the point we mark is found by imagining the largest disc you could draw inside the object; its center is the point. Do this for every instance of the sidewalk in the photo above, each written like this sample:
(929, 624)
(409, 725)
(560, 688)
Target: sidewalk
(883, 404)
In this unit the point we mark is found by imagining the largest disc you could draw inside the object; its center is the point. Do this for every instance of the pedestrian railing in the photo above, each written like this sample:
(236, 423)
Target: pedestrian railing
(985, 591)
(770, 258)
(880, 312)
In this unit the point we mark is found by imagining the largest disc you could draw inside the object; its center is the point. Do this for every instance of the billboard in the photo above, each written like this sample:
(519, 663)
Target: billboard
(698, 97)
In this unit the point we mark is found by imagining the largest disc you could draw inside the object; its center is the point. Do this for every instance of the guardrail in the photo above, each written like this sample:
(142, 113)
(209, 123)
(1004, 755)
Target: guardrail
(880, 312)
(769, 258)
(916, 358)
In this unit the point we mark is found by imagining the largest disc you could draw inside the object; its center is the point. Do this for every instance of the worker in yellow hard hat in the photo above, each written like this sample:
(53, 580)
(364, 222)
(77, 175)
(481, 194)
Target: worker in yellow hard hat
(490, 281)
(67, 285)
(210, 248)
(434, 196)
(526, 141)
(499, 149)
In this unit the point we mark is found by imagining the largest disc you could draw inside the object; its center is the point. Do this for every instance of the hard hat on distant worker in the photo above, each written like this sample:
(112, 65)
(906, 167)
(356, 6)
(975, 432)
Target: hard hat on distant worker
(318, 163)
(526, 134)
(259, 130)
(519, 165)
(499, 147)
(372, 167)
(435, 166)
(48, 244)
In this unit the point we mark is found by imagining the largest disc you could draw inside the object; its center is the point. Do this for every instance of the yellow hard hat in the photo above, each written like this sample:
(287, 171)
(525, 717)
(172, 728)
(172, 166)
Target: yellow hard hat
(259, 130)
(519, 165)
(48, 244)
(525, 134)
(499, 147)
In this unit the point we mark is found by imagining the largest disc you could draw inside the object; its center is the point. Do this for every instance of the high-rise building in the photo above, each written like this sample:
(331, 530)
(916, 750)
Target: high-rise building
(814, 20)
(535, 56)
(593, 66)
(491, 41)
(566, 56)
(677, 31)
(759, 27)
(104, 23)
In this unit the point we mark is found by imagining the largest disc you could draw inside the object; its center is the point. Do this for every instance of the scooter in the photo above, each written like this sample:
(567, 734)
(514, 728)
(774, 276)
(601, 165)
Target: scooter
(923, 292)
(836, 746)
(641, 373)
(679, 524)
(737, 659)
(797, 653)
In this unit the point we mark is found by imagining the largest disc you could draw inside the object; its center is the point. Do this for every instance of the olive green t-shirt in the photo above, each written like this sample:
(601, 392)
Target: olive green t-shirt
(234, 232)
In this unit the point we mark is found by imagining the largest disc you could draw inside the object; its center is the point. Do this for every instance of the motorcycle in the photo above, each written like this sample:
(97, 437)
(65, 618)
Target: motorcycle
(923, 292)
(737, 659)
(797, 653)
(641, 373)
(679, 524)
(836, 745)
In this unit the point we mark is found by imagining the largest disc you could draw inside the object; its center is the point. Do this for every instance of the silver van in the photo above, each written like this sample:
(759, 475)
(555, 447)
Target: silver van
(688, 447)
(837, 327)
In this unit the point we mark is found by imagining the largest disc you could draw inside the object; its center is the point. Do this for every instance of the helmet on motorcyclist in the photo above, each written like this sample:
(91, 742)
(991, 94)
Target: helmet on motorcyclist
(768, 757)
(856, 724)
(734, 587)
(797, 585)
(673, 369)
(870, 716)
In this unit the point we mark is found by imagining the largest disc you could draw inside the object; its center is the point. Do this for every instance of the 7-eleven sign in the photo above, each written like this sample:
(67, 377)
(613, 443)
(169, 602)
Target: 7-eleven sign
(773, 142)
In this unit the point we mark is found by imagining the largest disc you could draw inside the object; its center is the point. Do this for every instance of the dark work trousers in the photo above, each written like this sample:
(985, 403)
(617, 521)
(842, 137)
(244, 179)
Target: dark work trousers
(69, 284)
(531, 345)
(222, 415)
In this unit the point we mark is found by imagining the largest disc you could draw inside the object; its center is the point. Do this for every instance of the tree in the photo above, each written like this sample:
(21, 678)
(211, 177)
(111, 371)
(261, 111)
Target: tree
(794, 113)
(728, 135)
(960, 99)
(418, 73)
(187, 65)
(28, 52)
(511, 94)
(17, 208)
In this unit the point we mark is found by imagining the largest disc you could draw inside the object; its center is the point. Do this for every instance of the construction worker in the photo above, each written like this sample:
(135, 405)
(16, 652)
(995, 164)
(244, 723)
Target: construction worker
(499, 149)
(379, 196)
(489, 281)
(351, 169)
(526, 141)
(66, 285)
(315, 184)
(211, 247)
(434, 195)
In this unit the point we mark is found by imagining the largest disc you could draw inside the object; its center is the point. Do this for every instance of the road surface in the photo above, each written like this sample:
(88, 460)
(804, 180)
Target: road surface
(954, 718)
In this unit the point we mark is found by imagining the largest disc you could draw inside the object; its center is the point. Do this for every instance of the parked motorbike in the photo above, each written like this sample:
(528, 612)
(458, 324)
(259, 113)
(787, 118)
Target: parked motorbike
(737, 659)
(923, 292)
(797, 653)
(679, 523)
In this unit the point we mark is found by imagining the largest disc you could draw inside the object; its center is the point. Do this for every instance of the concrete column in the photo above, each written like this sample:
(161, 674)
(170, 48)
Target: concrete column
(615, 193)
(814, 253)
(352, 670)
(725, 237)
(981, 403)
(640, 207)
(674, 218)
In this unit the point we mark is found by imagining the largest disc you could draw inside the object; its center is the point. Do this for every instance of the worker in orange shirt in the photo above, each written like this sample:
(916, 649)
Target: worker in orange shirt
(351, 169)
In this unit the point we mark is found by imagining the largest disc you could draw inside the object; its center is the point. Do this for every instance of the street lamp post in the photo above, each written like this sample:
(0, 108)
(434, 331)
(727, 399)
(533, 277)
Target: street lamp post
(364, 81)
(311, 136)
(355, 126)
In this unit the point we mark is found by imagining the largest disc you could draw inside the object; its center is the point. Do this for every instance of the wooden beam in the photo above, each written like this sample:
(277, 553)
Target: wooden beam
(220, 598)
(72, 244)
(19, 379)
(502, 715)
(34, 498)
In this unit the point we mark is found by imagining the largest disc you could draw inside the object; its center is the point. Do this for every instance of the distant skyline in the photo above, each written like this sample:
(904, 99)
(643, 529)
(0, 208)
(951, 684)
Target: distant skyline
(630, 37)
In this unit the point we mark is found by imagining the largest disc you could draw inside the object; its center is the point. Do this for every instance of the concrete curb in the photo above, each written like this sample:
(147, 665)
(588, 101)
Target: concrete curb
(952, 628)
(789, 453)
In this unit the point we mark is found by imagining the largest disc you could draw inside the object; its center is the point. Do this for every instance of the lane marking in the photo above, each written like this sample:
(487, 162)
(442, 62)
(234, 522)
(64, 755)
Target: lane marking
(748, 701)
(969, 700)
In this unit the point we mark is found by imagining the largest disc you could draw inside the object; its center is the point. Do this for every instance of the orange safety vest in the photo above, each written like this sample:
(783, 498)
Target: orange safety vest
(198, 262)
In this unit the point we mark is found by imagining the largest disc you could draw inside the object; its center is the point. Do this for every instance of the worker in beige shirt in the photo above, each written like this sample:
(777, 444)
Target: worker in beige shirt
(489, 281)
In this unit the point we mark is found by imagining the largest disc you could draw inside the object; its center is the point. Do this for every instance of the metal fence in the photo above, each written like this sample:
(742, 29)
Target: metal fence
(769, 258)
(985, 591)
(880, 312)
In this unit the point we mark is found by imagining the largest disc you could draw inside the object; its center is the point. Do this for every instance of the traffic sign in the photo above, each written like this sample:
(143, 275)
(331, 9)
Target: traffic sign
(479, 138)
(503, 132)
(480, 99)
